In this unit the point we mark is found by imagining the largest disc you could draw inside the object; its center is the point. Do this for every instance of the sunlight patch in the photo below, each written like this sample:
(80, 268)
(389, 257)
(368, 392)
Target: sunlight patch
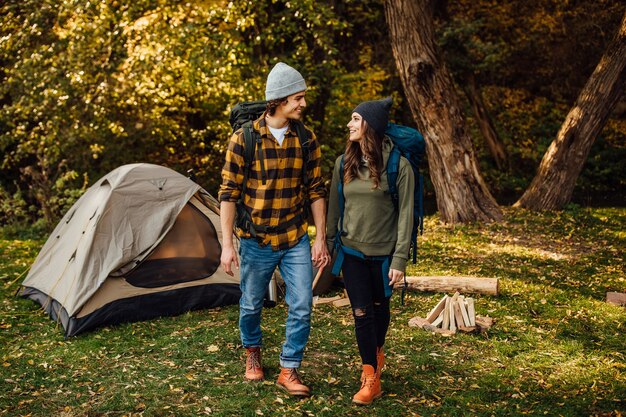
(525, 250)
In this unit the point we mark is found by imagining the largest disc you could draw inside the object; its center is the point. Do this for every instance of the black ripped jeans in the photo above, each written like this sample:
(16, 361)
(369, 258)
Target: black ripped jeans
(364, 283)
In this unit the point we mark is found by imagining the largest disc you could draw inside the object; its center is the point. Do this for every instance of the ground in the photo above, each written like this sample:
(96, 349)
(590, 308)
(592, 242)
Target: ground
(557, 348)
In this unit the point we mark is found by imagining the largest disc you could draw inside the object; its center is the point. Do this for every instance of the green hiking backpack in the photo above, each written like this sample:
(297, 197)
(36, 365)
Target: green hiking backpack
(242, 115)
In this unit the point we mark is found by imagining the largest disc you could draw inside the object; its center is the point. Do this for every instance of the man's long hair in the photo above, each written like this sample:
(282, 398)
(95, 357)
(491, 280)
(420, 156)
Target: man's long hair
(271, 105)
(370, 147)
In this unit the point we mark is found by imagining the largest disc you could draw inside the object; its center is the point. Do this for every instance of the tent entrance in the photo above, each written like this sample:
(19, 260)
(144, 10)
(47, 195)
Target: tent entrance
(190, 251)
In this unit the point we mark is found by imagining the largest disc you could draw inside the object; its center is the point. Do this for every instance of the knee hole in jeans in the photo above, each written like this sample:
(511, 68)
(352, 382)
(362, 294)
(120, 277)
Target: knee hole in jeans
(359, 312)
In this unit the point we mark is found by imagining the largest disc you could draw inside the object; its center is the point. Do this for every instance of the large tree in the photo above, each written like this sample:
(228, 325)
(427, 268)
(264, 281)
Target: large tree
(462, 194)
(561, 165)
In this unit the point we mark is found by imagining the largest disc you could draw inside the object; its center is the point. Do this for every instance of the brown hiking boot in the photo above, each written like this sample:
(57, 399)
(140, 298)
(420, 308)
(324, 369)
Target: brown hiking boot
(370, 387)
(254, 370)
(289, 380)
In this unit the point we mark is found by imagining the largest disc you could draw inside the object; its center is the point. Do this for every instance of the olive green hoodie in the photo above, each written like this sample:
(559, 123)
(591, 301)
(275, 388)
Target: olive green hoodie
(371, 223)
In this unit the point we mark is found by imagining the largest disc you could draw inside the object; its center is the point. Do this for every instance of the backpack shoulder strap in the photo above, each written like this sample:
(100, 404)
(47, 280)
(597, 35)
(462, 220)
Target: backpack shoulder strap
(252, 142)
(304, 136)
(249, 143)
(393, 166)
(340, 196)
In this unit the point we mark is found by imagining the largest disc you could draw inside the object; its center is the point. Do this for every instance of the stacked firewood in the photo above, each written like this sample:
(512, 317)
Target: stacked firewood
(452, 314)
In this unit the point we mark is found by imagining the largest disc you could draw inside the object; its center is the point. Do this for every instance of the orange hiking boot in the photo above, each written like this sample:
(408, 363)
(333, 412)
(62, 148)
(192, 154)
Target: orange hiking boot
(370, 387)
(289, 380)
(254, 370)
(380, 362)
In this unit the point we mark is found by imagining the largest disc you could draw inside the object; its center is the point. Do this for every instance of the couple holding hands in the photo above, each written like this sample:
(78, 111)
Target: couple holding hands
(282, 183)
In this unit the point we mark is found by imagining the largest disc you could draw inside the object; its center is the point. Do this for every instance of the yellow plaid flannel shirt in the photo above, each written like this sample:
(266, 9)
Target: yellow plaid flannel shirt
(281, 198)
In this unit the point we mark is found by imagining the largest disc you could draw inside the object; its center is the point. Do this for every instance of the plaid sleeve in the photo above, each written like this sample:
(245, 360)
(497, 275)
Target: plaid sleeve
(317, 189)
(232, 172)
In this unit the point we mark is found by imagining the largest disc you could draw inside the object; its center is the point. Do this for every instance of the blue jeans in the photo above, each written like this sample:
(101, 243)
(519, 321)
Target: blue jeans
(257, 265)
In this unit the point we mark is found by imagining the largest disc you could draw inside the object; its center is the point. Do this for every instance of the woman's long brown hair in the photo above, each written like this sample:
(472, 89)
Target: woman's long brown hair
(370, 146)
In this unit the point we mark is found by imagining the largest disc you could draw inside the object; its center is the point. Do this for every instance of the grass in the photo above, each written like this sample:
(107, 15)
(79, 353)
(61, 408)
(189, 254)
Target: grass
(556, 348)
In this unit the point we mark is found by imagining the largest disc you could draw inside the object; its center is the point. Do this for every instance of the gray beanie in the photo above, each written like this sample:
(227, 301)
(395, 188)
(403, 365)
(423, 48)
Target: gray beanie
(283, 81)
(375, 113)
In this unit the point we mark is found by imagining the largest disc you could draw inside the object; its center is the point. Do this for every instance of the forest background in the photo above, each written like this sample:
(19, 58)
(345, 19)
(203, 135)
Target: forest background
(86, 86)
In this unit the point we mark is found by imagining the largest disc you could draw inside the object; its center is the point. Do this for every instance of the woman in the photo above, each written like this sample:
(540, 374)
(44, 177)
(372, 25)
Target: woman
(372, 238)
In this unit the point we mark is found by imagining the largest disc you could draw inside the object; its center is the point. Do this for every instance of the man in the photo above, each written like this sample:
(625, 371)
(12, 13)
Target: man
(275, 201)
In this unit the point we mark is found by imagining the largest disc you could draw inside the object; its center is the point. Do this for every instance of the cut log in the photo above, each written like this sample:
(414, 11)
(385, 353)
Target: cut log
(471, 312)
(439, 319)
(468, 329)
(439, 330)
(458, 316)
(455, 313)
(617, 298)
(324, 300)
(342, 302)
(434, 313)
(446, 315)
(418, 322)
(451, 310)
(484, 323)
(444, 284)
(466, 319)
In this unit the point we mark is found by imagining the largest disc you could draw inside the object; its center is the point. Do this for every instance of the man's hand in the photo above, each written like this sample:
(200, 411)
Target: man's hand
(229, 256)
(395, 276)
(319, 253)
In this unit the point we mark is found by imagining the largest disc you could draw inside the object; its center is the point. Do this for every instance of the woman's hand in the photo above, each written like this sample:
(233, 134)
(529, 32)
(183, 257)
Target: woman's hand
(319, 253)
(395, 276)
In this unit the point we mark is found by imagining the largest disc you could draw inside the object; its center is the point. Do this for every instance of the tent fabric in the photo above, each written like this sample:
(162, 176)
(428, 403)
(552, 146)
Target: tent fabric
(141, 307)
(135, 233)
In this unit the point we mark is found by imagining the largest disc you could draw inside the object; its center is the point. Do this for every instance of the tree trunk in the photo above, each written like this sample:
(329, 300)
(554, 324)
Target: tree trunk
(494, 144)
(562, 163)
(462, 195)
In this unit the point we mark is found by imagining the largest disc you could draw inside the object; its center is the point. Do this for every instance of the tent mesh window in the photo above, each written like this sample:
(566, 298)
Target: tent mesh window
(190, 251)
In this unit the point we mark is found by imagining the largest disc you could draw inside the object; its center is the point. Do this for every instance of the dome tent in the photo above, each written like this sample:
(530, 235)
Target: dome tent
(144, 241)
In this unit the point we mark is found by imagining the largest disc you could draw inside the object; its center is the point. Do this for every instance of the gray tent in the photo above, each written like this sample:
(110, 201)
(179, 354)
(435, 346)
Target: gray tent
(142, 242)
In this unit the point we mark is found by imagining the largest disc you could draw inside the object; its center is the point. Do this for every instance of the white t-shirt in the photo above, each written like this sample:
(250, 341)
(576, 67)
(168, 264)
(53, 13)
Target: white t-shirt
(279, 134)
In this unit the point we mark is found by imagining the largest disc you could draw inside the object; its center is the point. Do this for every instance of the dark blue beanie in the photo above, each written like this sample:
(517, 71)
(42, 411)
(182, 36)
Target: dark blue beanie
(375, 113)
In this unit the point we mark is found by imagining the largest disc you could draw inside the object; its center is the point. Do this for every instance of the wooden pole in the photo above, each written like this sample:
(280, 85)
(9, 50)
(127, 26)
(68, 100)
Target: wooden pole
(447, 284)
(317, 277)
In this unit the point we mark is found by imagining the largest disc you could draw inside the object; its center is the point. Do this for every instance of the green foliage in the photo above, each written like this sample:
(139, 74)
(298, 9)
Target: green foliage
(556, 346)
(546, 47)
(531, 59)
(605, 170)
(13, 208)
(88, 86)
(528, 124)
